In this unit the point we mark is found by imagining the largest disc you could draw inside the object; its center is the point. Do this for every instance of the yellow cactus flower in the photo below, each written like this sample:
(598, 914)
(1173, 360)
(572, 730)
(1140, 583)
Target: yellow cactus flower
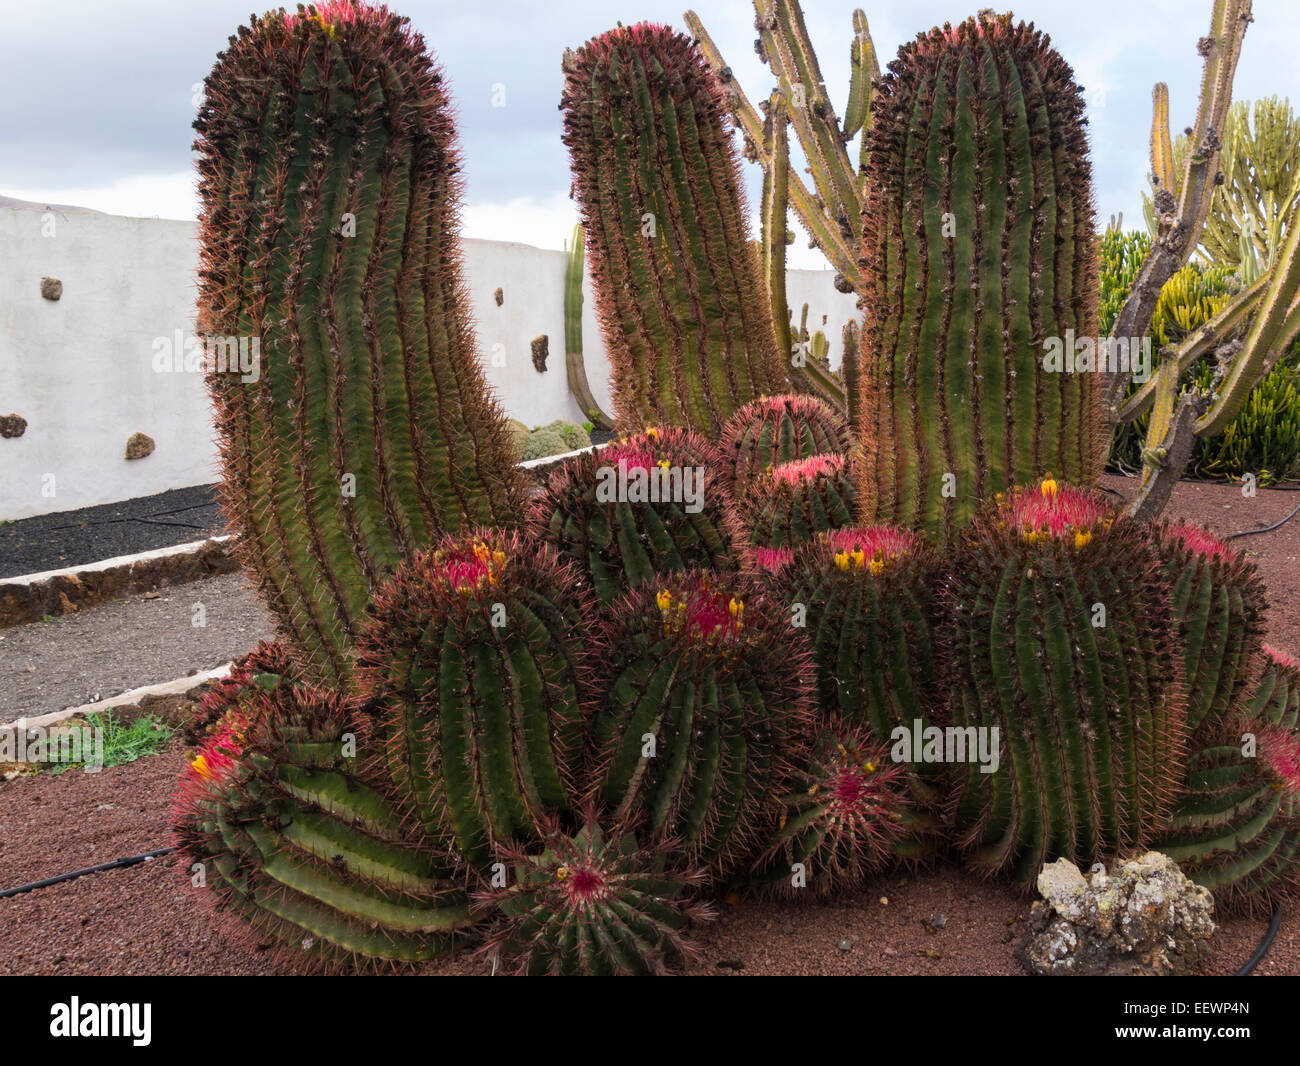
(858, 557)
(1049, 487)
(1082, 537)
(561, 873)
(736, 607)
(200, 766)
(652, 432)
(842, 560)
(664, 599)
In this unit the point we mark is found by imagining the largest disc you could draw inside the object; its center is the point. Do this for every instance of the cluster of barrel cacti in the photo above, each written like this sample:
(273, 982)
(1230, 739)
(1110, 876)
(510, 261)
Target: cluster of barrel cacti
(698, 659)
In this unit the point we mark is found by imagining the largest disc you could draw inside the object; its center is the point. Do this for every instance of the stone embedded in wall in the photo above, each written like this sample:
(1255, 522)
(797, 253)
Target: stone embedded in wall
(51, 288)
(499, 296)
(138, 445)
(12, 426)
(541, 349)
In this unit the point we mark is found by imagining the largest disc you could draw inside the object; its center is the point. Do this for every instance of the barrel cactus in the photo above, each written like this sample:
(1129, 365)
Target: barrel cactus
(1058, 623)
(1236, 827)
(592, 903)
(793, 502)
(844, 818)
(276, 818)
(779, 429)
(360, 427)
(701, 714)
(865, 596)
(677, 279)
(643, 506)
(472, 670)
(1218, 601)
(979, 254)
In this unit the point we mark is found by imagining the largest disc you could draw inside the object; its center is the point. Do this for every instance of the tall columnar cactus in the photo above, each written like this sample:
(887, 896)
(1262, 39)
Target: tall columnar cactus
(791, 503)
(701, 715)
(644, 506)
(978, 247)
(592, 904)
(329, 179)
(472, 669)
(1058, 624)
(865, 597)
(780, 429)
(844, 819)
(1236, 828)
(291, 837)
(677, 280)
(1218, 603)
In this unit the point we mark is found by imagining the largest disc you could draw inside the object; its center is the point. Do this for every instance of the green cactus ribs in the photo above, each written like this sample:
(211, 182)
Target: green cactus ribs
(677, 280)
(471, 670)
(593, 903)
(275, 821)
(1236, 827)
(793, 502)
(1219, 602)
(701, 714)
(1058, 627)
(643, 506)
(329, 179)
(780, 429)
(866, 598)
(977, 246)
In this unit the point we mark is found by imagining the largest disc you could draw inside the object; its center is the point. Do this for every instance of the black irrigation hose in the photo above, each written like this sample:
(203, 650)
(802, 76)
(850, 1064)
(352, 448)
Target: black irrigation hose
(1266, 529)
(1264, 944)
(116, 864)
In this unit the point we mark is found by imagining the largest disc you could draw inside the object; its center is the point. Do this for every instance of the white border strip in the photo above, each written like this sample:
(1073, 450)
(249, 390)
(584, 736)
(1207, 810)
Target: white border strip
(190, 547)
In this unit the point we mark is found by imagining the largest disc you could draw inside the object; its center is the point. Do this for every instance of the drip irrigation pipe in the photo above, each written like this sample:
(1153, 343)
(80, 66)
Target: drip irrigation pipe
(116, 864)
(1264, 944)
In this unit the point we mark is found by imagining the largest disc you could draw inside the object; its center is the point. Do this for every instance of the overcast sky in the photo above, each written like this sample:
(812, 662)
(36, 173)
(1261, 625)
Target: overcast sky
(96, 98)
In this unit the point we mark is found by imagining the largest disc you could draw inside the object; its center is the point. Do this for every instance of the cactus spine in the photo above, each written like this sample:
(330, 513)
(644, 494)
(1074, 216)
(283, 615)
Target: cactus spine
(329, 181)
(1088, 704)
(471, 669)
(978, 246)
(676, 278)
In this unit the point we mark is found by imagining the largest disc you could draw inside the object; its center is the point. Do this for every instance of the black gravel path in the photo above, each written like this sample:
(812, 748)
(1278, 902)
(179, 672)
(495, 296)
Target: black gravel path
(71, 538)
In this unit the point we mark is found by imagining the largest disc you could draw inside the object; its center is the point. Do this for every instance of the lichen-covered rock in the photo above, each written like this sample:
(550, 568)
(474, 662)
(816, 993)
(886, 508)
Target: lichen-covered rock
(139, 445)
(1143, 918)
(12, 426)
(51, 288)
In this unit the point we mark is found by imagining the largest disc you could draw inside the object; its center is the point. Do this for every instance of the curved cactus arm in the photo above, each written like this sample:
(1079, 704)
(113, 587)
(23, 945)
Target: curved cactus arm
(837, 248)
(776, 199)
(1177, 421)
(1180, 222)
(788, 51)
(865, 69)
(573, 364)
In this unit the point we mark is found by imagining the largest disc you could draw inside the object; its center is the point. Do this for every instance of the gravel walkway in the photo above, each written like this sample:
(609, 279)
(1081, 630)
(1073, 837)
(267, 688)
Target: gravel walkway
(139, 640)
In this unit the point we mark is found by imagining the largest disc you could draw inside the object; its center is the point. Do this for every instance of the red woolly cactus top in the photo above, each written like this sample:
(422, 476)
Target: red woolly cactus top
(773, 560)
(866, 547)
(800, 470)
(1060, 511)
(1280, 751)
(467, 571)
(582, 884)
(702, 612)
(1200, 541)
(632, 454)
(330, 13)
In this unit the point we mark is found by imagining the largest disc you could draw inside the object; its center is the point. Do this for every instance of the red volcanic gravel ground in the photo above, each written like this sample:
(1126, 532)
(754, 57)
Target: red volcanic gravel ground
(145, 920)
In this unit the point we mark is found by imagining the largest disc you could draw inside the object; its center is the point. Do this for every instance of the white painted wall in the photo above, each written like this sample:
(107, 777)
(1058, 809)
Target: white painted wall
(81, 370)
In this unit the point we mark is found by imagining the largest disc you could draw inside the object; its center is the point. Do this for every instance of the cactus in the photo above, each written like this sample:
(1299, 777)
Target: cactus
(293, 839)
(790, 503)
(1058, 626)
(844, 819)
(868, 598)
(471, 669)
(573, 364)
(780, 429)
(701, 714)
(1236, 829)
(674, 512)
(962, 287)
(592, 904)
(659, 186)
(329, 180)
(266, 666)
(1218, 601)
